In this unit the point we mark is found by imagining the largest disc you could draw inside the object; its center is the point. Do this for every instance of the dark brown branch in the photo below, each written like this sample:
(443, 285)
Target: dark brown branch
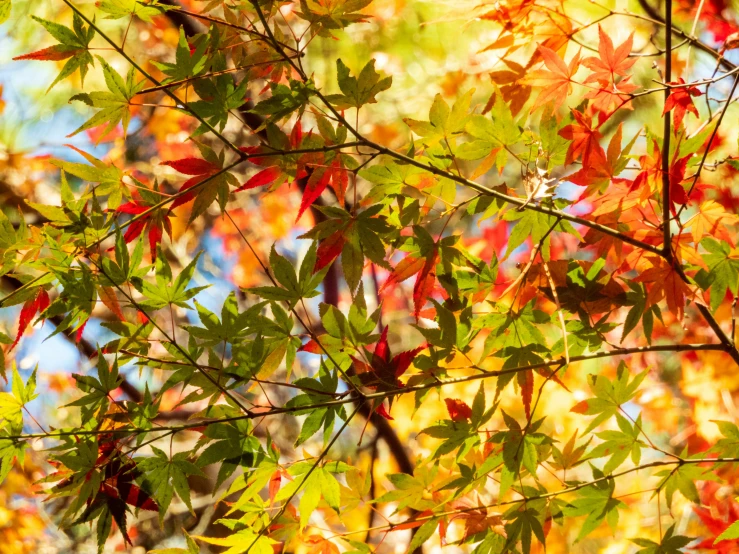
(666, 235)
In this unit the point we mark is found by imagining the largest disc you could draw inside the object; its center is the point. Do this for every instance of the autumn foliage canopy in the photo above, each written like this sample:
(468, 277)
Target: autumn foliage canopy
(354, 276)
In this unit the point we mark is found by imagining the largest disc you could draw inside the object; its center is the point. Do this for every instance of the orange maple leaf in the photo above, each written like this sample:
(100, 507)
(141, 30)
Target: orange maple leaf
(711, 219)
(611, 62)
(556, 80)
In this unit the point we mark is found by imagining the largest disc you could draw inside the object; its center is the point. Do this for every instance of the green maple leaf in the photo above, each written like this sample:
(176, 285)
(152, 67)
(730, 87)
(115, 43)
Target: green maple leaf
(12, 403)
(319, 484)
(114, 105)
(294, 286)
(228, 328)
(284, 101)
(167, 290)
(670, 544)
(165, 476)
(243, 541)
(445, 123)
(98, 390)
(73, 44)
(107, 175)
(683, 478)
(497, 131)
(519, 450)
(609, 395)
(10, 450)
(724, 270)
(117, 9)
(619, 445)
(326, 16)
(597, 503)
(525, 523)
(186, 64)
(410, 491)
(358, 91)
(729, 445)
(218, 94)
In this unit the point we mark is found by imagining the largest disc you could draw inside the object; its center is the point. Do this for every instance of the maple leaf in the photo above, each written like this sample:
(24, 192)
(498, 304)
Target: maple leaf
(115, 104)
(37, 304)
(358, 91)
(73, 43)
(117, 492)
(165, 476)
(664, 282)
(54, 53)
(711, 219)
(677, 176)
(326, 16)
(477, 519)
(514, 91)
(458, 409)
(669, 544)
(651, 168)
(384, 369)
(319, 179)
(584, 142)
(264, 177)
(596, 175)
(425, 270)
(557, 81)
(681, 101)
(217, 186)
(329, 249)
(188, 63)
(117, 9)
(608, 98)
(611, 62)
(318, 545)
(525, 380)
(155, 223)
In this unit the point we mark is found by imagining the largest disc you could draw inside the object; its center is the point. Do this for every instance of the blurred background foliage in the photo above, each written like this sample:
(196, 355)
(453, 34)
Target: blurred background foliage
(428, 47)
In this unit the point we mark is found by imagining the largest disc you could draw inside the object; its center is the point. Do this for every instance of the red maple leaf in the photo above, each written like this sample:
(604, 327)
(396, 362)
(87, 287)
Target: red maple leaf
(199, 168)
(154, 222)
(32, 306)
(584, 141)
(330, 248)
(264, 177)
(118, 489)
(715, 527)
(677, 176)
(458, 409)
(526, 382)
(597, 174)
(425, 268)
(681, 101)
(52, 53)
(384, 369)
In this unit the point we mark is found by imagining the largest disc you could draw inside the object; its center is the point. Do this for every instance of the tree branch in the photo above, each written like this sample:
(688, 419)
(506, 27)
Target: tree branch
(666, 235)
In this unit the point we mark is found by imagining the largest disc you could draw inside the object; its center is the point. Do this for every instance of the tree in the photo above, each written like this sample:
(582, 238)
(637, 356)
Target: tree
(502, 322)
